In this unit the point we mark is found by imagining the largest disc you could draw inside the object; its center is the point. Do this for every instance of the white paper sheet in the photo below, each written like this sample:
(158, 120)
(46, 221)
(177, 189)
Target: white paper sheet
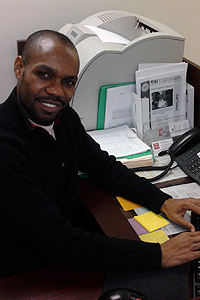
(119, 141)
(108, 36)
(119, 106)
(189, 190)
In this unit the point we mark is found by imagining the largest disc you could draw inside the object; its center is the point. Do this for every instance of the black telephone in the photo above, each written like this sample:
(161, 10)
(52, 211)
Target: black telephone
(186, 152)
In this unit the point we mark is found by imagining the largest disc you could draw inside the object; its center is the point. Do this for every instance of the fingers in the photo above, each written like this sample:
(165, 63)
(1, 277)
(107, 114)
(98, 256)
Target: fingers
(184, 204)
(195, 207)
(175, 209)
(181, 221)
(181, 249)
(192, 204)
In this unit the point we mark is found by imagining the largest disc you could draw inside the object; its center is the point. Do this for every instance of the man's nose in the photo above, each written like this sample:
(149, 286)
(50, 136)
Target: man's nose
(55, 88)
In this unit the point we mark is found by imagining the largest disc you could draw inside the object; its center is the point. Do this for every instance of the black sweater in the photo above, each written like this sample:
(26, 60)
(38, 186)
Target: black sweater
(38, 188)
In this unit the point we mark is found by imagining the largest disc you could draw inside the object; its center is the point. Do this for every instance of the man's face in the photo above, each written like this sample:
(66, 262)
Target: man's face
(46, 83)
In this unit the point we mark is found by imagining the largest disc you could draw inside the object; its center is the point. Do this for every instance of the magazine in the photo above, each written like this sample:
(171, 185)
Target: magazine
(162, 90)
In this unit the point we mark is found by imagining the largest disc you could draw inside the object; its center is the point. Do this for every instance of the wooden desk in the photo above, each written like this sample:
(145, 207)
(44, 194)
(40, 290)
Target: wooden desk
(53, 283)
(106, 205)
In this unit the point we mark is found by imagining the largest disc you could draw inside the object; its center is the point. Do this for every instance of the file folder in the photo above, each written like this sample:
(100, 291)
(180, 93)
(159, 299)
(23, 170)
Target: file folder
(116, 90)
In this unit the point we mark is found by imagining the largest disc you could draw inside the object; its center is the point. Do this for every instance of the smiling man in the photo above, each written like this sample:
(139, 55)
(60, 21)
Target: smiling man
(42, 146)
(46, 78)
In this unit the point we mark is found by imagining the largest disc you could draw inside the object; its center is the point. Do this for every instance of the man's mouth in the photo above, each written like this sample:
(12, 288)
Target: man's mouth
(49, 104)
(50, 101)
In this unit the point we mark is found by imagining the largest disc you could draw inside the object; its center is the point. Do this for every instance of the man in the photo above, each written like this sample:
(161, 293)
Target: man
(42, 147)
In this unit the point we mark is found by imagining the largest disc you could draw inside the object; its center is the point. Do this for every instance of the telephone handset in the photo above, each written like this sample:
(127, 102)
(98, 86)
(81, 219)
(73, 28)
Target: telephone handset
(186, 152)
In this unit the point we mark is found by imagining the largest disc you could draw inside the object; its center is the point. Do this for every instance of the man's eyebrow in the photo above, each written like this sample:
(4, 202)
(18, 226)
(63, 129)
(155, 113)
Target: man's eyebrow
(45, 67)
(49, 69)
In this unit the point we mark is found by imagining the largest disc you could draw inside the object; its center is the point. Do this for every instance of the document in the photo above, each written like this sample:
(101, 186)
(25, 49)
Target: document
(188, 190)
(119, 141)
(115, 105)
(119, 106)
(162, 90)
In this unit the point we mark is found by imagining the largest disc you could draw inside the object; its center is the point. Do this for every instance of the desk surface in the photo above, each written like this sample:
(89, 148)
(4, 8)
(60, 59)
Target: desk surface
(53, 283)
(65, 283)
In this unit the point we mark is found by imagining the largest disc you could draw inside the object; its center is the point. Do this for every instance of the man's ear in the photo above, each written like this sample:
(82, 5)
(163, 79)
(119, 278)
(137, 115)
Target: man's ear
(18, 67)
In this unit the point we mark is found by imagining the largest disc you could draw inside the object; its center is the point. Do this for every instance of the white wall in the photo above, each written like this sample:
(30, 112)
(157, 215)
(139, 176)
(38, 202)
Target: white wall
(19, 18)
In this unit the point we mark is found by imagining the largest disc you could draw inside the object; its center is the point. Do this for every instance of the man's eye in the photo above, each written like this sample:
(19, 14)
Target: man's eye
(43, 75)
(69, 82)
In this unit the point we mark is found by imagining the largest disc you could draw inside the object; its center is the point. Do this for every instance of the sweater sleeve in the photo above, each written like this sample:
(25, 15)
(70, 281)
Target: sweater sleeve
(104, 170)
(37, 219)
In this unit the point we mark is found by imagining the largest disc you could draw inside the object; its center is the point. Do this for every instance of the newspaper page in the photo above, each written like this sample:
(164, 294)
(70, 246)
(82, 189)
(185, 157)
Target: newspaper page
(188, 190)
(163, 90)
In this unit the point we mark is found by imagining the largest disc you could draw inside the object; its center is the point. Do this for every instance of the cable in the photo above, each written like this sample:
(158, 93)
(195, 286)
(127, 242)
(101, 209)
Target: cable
(165, 168)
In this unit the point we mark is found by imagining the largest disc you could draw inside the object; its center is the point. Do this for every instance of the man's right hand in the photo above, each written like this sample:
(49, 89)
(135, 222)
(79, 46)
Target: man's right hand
(181, 249)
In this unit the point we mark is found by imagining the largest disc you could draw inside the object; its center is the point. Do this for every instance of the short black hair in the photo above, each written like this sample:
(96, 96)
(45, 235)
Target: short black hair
(32, 39)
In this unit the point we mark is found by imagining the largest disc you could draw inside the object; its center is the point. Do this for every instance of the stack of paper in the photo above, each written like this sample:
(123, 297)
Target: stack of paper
(123, 143)
(137, 160)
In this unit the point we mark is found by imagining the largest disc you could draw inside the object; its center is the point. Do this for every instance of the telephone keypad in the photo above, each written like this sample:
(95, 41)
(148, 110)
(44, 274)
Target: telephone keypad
(193, 165)
(189, 162)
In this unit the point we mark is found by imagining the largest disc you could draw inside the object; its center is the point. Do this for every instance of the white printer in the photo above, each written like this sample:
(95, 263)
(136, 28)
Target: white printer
(111, 44)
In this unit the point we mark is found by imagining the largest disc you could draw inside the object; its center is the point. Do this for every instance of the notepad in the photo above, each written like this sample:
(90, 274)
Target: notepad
(157, 236)
(126, 204)
(139, 229)
(151, 221)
